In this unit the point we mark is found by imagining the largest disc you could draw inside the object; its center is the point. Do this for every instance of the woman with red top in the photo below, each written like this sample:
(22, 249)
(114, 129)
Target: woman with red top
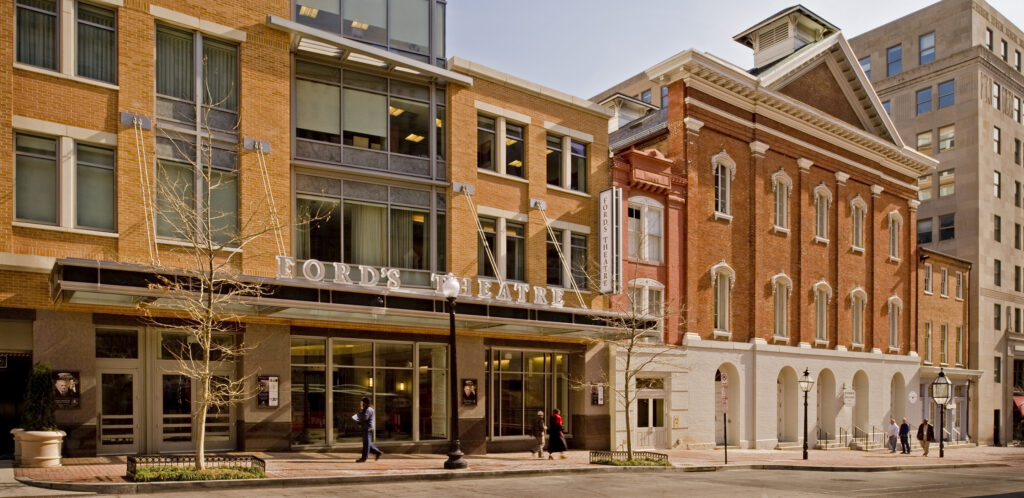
(556, 439)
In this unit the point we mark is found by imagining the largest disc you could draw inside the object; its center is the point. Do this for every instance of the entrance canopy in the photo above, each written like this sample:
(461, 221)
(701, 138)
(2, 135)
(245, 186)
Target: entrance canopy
(105, 283)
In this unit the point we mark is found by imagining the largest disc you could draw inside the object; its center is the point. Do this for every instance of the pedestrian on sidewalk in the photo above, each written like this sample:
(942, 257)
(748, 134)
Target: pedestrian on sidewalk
(366, 417)
(926, 435)
(894, 433)
(905, 436)
(540, 429)
(556, 439)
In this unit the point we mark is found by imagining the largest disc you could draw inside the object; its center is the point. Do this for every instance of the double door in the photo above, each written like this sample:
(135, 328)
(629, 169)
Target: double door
(650, 422)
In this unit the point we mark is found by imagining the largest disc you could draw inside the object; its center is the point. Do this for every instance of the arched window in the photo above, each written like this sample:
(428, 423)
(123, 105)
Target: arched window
(895, 224)
(822, 295)
(645, 222)
(782, 285)
(858, 210)
(722, 277)
(858, 302)
(783, 185)
(822, 200)
(895, 309)
(724, 170)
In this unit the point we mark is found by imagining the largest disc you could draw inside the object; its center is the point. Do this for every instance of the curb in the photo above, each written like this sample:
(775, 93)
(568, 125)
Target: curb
(280, 482)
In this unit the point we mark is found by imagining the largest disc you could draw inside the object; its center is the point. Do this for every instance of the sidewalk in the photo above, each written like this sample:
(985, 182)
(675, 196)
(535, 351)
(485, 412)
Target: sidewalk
(106, 474)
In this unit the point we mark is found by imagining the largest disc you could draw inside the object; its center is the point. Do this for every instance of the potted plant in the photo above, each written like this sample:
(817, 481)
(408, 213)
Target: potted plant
(38, 442)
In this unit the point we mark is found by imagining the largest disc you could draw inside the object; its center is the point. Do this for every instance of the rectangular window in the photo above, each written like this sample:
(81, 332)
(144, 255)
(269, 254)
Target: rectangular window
(489, 241)
(37, 32)
(35, 179)
(927, 278)
(578, 259)
(1016, 193)
(988, 38)
(865, 65)
(1016, 236)
(947, 137)
(1016, 60)
(95, 187)
(924, 101)
(409, 121)
(554, 160)
(997, 370)
(997, 140)
(928, 342)
(894, 58)
(924, 187)
(524, 383)
(515, 251)
(1016, 109)
(927, 44)
(645, 96)
(924, 231)
(485, 150)
(997, 273)
(97, 43)
(997, 228)
(944, 282)
(947, 93)
(174, 63)
(947, 227)
(554, 263)
(1016, 278)
(664, 95)
(997, 184)
(317, 103)
(634, 227)
(947, 182)
(1016, 320)
(959, 345)
(959, 285)
(578, 165)
(217, 66)
(1017, 151)
(515, 150)
(318, 231)
(1004, 50)
(924, 142)
(943, 341)
(997, 318)
(997, 96)
(409, 25)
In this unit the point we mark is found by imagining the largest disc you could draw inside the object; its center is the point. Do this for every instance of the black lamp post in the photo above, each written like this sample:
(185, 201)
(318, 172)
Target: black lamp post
(806, 382)
(450, 289)
(941, 392)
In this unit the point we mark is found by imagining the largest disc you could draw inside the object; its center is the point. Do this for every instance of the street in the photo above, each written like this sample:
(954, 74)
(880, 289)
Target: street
(1006, 481)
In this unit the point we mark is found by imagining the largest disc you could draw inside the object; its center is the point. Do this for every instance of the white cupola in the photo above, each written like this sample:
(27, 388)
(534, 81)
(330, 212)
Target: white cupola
(784, 33)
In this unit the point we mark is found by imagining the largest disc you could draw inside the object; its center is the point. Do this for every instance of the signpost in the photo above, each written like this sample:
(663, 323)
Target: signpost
(725, 414)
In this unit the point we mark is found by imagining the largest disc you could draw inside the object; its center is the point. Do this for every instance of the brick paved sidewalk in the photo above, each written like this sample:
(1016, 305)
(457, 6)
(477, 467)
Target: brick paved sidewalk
(283, 465)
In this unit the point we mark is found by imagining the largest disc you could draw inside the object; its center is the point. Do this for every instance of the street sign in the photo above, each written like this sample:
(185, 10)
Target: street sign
(725, 392)
(849, 397)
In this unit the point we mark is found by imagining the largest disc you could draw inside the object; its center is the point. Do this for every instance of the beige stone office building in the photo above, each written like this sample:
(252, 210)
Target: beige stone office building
(950, 76)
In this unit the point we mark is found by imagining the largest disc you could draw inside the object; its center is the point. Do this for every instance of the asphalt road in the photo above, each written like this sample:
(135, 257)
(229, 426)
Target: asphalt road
(931, 483)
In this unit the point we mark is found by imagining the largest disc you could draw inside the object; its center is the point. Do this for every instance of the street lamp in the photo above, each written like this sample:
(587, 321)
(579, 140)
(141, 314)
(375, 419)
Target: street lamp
(450, 289)
(941, 392)
(806, 382)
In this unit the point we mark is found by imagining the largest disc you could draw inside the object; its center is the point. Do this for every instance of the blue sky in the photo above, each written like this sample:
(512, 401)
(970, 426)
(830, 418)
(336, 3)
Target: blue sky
(585, 46)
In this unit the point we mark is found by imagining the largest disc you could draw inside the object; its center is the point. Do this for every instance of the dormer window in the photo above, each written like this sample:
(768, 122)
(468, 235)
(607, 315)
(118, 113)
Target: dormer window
(784, 33)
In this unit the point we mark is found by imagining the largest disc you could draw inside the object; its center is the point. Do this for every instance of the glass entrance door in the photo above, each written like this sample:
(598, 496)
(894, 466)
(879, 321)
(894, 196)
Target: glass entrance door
(118, 426)
(174, 423)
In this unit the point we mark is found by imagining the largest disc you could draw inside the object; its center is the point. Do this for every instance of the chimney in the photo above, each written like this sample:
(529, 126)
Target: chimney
(784, 33)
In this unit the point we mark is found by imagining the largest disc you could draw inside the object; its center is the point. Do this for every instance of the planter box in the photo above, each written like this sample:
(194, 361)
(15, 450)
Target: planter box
(212, 461)
(38, 448)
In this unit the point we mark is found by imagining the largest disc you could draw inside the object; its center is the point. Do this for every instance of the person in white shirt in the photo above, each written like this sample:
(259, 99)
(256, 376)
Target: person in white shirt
(894, 435)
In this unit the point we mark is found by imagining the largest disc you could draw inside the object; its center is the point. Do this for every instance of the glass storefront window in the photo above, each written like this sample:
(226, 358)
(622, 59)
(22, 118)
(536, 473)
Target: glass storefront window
(408, 239)
(410, 127)
(409, 25)
(370, 223)
(308, 391)
(318, 232)
(121, 344)
(523, 383)
(365, 119)
(320, 14)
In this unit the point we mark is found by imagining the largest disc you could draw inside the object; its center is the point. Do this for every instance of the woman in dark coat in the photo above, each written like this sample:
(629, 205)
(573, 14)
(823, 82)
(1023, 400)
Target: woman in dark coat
(556, 439)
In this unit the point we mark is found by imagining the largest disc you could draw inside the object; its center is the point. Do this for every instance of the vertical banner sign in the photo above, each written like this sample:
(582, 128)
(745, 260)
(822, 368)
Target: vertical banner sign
(725, 392)
(610, 241)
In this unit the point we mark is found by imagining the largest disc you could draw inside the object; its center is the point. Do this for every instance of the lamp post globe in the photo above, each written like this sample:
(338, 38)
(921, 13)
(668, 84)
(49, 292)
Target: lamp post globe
(942, 391)
(450, 289)
(806, 383)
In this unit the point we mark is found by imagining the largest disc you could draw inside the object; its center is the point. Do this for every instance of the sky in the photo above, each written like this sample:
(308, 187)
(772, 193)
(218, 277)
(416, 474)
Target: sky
(582, 47)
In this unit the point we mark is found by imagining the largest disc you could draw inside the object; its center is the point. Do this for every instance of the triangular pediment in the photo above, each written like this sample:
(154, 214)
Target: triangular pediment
(826, 76)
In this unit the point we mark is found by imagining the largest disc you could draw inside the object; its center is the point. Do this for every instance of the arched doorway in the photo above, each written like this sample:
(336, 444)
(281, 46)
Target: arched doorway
(827, 404)
(861, 422)
(727, 381)
(787, 398)
(898, 398)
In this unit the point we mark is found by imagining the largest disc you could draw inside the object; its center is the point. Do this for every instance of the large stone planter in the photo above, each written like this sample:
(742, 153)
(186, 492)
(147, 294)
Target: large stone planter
(38, 448)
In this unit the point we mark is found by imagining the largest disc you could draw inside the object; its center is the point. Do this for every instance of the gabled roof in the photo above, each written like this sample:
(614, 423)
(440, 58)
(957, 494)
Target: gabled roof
(744, 37)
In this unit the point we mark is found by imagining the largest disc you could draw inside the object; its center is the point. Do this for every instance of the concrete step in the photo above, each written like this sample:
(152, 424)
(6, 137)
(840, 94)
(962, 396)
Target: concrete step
(789, 446)
(731, 447)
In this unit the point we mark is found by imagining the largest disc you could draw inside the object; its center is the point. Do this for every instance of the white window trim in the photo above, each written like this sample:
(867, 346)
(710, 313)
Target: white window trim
(646, 204)
(927, 358)
(782, 184)
(858, 212)
(895, 305)
(646, 285)
(959, 286)
(943, 282)
(723, 159)
(723, 269)
(821, 288)
(781, 283)
(858, 294)
(927, 286)
(895, 229)
(821, 195)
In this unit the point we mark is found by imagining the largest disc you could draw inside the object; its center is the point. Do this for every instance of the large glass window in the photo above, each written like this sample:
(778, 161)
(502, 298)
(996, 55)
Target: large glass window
(365, 233)
(37, 37)
(309, 391)
(924, 100)
(97, 43)
(175, 75)
(489, 242)
(515, 150)
(409, 25)
(485, 150)
(554, 160)
(554, 263)
(578, 259)
(947, 227)
(320, 14)
(94, 199)
(515, 251)
(927, 45)
(410, 125)
(318, 232)
(947, 93)
(317, 102)
(35, 179)
(398, 25)
(578, 165)
(119, 344)
(924, 231)
(366, 20)
(524, 383)
(365, 116)
(947, 136)
(894, 60)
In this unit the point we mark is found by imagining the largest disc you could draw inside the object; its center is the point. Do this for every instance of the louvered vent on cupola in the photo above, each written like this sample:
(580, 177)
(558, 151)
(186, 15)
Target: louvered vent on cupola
(784, 33)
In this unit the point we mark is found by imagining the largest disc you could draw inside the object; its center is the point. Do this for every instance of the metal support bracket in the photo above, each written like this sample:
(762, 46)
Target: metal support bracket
(463, 188)
(539, 204)
(255, 144)
(129, 119)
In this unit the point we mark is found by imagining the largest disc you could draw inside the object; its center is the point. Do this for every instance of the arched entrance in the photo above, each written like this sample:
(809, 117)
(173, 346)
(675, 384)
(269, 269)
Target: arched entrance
(861, 422)
(787, 398)
(827, 407)
(898, 398)
(727, 380)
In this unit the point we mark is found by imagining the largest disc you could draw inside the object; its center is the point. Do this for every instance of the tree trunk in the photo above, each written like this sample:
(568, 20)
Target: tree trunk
(628, 403)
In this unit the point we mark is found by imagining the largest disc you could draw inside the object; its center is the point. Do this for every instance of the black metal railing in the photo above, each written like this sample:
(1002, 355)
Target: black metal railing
(212, 461)
(597, 456)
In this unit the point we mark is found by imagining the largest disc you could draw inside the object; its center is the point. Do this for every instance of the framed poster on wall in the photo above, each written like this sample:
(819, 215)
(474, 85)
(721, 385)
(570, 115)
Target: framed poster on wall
(67, 387)
(267, 395)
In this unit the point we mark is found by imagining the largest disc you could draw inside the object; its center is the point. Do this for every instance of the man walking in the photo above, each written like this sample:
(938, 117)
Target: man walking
(540, 429)
(926, 435)
(905, 436)
(894, 432)
(367, 420)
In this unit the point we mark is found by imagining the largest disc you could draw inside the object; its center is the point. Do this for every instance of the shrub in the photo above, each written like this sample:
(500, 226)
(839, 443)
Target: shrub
(39, 400)
(636, 462)
(171, 473)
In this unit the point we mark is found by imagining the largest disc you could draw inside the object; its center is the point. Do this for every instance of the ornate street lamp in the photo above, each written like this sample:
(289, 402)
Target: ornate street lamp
(450, 289)
(806, 382)
(941, 392)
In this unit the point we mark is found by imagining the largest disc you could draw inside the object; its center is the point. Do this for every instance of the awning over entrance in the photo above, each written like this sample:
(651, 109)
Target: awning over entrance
(325, 44)
(106, 283)
(1019, 402)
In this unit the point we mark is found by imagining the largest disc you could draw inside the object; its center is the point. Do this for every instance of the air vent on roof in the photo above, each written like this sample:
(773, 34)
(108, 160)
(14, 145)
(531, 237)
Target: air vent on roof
(773, 36)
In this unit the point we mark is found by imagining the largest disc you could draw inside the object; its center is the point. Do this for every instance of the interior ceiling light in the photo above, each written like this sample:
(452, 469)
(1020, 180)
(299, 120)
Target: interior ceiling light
(419, 218)
(548, 152)
(438, 122)
(515, 164)
(360, 25)
(414, 138)
(310, 12)
(395, 111)
(510, 141)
